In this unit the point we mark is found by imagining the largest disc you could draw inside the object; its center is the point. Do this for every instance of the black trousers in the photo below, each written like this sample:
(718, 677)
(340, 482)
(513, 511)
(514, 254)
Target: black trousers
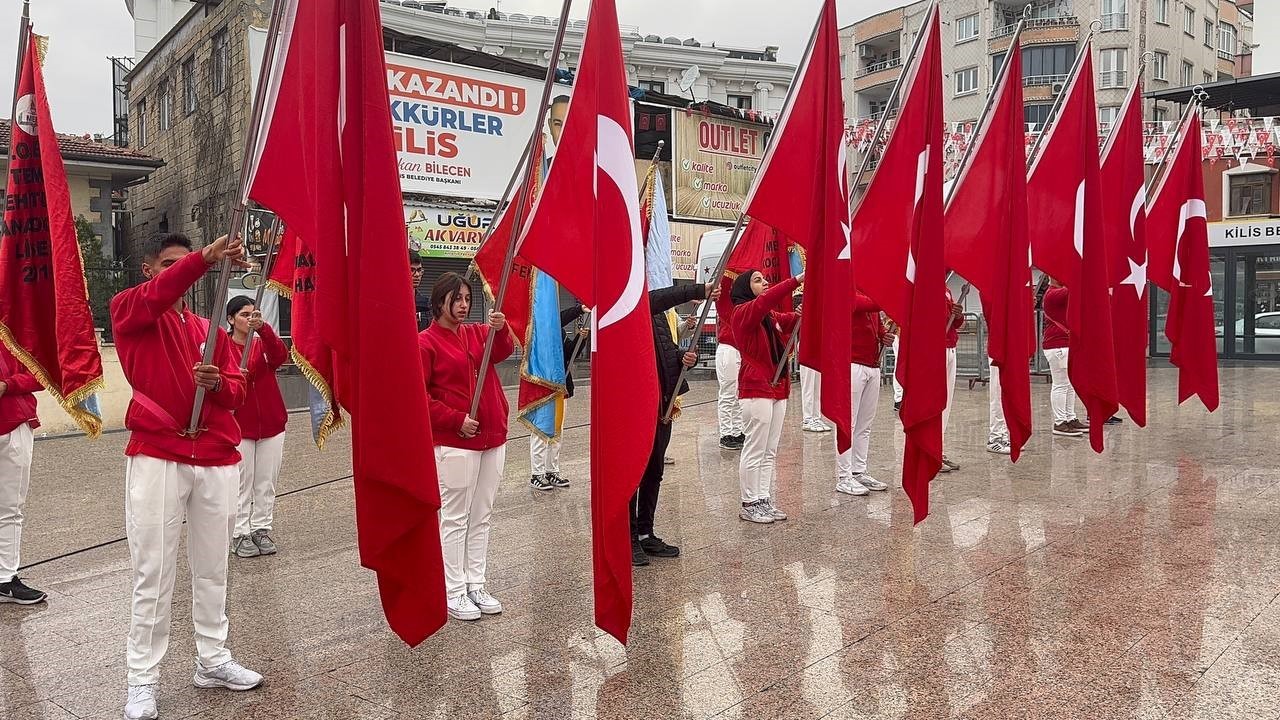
(645, 502)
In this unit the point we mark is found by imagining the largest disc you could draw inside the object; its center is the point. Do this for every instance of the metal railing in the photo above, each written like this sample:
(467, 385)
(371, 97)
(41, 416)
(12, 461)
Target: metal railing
(879, 67)
(1115, 21)
(1113, 79)
(1057, 22)
(1226, 55)
(1036, 80)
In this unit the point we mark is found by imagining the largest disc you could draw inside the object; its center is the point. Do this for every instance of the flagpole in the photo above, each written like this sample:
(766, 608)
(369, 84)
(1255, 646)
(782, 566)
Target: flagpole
(1198, 96)
(742, 217)
(1094, 27)
(24, 32)
(530, 160)
(268, 264)
(855, 200)
(238, 209)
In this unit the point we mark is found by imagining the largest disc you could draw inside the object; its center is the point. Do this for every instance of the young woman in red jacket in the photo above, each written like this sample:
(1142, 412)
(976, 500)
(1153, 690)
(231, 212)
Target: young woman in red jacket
(1055, 342)
(761, 332)
(262, 420)
(17, 420)
(470, 452)
(955, 322)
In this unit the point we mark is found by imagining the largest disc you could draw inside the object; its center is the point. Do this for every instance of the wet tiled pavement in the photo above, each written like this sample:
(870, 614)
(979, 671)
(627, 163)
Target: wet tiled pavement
(1141, 583)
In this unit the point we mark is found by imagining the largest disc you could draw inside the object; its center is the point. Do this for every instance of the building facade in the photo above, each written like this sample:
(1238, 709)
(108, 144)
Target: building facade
(1190, 41)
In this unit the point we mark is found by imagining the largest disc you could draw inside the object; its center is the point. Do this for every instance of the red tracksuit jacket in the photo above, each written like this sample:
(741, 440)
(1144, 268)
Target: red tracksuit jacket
(18, 404)
(263, 414)
(868, 331)
(1055, 319)
(158, 348)
(451, 364)
(755, 377)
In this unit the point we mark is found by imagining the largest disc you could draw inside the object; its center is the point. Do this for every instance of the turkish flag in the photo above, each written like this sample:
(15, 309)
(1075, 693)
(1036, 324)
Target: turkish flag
(45, 319)
(328, 118)
(1178, 238)
(1124, 223)
(1064, 216)
(760, 248)
(897, 236)
(585, 232)
(802, 191)
(986, 243)
(489, 259)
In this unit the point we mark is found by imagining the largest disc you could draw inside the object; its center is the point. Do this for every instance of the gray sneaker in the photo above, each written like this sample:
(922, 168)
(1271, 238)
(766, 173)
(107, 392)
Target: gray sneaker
(230, 675)
(263, 541)
(756, 512)
(869, 482)
(773, 510)
(244, 547)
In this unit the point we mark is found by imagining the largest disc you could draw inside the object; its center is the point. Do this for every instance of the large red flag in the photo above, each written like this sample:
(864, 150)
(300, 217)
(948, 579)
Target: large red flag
(1064, 216)
(1124, 223)
(517, 305)
(760, 248)
(897, 238)
(327, 118)
(987, 244)
(45, 319)
(1178, 238)
(801, 190)
(585, 232)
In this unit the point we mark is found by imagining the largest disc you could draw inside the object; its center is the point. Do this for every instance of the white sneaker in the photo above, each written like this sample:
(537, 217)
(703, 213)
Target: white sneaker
(869, 482)
(486, 603)
(230, 675)
(773, 510)
(999, 446)
(808, 426)
(141, 704)
(461, 608)
(756, 512)
(849, 486)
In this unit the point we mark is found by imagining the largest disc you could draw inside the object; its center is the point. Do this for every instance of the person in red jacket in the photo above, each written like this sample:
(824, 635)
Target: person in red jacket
(728, 360)
(17, 420)
(869, 340)
(171, 474)
(761, 332)
(1056, 338)
(470, 452)
(262, 421)
(954, 325)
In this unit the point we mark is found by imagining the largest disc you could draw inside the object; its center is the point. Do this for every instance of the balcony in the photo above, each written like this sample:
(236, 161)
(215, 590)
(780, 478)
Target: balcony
(1227, 55)
(874, 68)
(1039, 80)
(885, 71)
(1114, 21)
(1113, 79)
(1037, 31)
(1042, 88)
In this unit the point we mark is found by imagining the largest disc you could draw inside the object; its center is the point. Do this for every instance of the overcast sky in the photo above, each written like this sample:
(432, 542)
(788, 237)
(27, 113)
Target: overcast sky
(83, 33)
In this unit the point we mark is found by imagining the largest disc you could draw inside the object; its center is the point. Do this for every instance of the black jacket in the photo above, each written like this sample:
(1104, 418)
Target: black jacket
(668, 354)
(567, 316)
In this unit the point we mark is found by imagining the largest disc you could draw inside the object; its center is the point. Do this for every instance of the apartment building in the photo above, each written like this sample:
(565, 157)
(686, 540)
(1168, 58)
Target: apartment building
(1190, 41)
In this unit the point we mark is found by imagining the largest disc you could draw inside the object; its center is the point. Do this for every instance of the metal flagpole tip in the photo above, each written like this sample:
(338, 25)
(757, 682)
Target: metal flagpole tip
(1095, 27)
(1146, 58)
(1026, 11)
(1199, 94)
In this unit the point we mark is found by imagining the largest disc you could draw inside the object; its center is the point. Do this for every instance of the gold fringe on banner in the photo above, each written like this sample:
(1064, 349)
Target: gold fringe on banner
(331, 421)
(90, 423)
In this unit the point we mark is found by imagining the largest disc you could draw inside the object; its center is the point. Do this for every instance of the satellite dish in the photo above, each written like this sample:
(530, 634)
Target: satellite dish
(689, 77)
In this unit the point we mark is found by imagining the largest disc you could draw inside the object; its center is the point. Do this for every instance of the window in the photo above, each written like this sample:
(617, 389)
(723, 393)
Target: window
(1208, 77)
(653, 86)
(1161, 8)
(967, 81)
(1160, 65)
(1107, 115)
(1189, 21)
(1227, 39)
(1251, 194)
(221, 61)
(1047, 63)
(1037, 115)
(742, 102)
(1267, 322)
(1115, 65)
(876, 108)
(1209, 33)
(189, 85)
(166, 104)
(1114, 15)
(1160, 114)
(141, 110)
(1188, 73)
(967, 28)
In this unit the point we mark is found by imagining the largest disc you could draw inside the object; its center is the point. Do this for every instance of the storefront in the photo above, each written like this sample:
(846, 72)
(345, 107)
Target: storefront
(1245, 264)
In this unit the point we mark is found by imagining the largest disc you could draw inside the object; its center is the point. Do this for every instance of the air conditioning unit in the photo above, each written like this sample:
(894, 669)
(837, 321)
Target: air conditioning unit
(1058, 87)
(866, 51)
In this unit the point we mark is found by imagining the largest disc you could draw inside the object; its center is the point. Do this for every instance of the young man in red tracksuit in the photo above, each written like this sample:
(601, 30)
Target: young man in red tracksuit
(954, 324)
(728, 410)
(17, 420)
(262, 420)
(869, 340)
(170, 475)
(1055, 340)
